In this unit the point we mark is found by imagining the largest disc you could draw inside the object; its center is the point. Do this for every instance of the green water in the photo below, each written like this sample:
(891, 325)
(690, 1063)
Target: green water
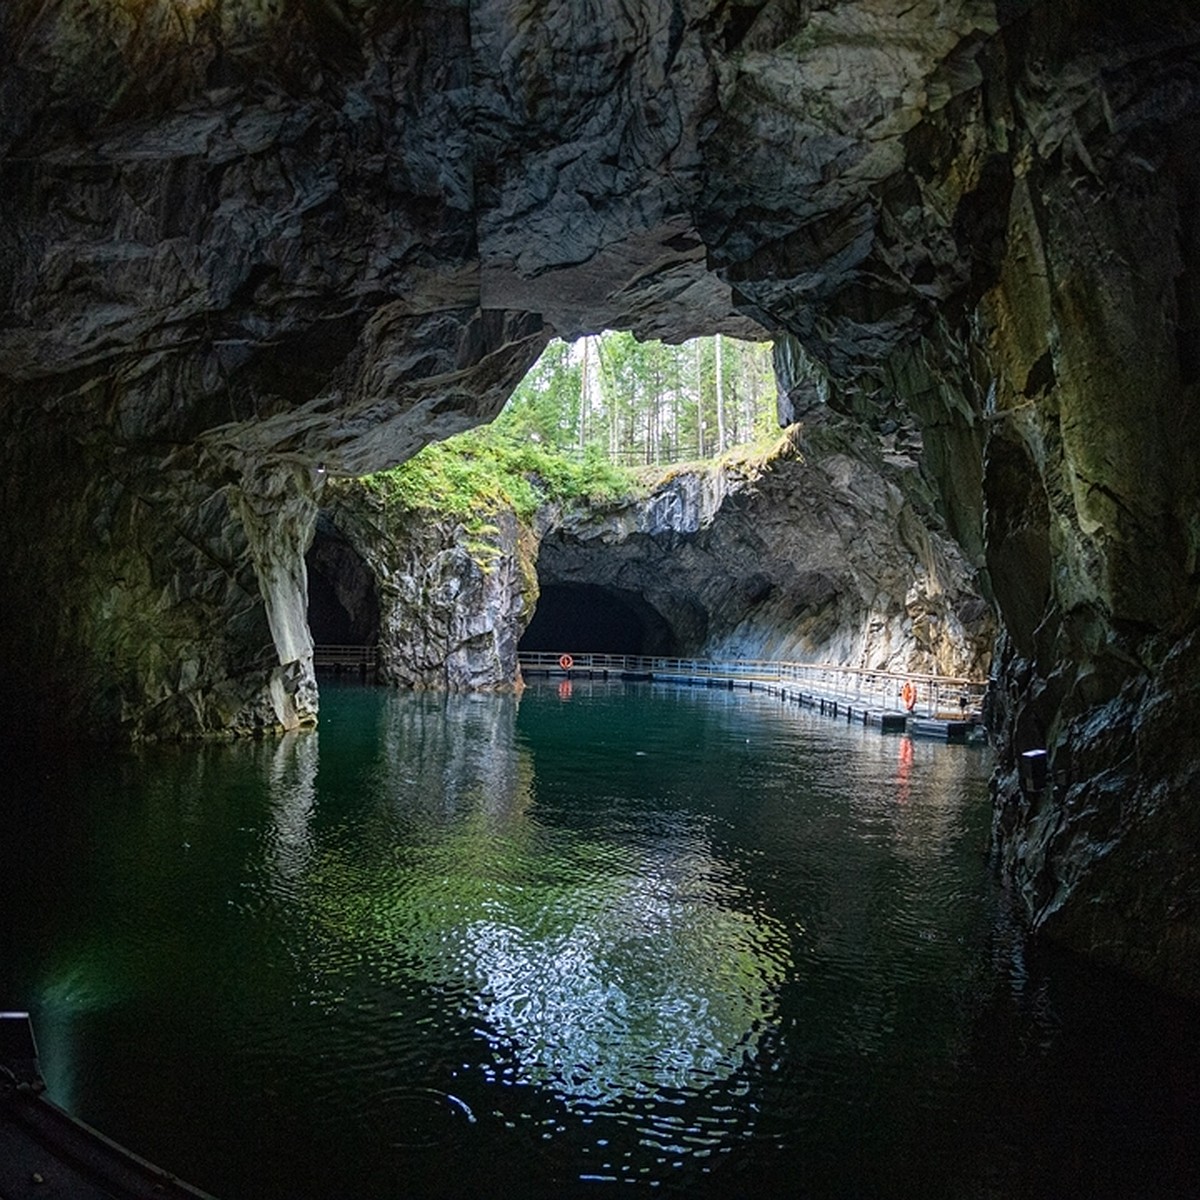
(614, 936)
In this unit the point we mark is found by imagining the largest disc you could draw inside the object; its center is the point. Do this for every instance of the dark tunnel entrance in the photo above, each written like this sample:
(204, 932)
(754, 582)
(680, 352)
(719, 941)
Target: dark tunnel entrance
(343, 607)
(584, 618)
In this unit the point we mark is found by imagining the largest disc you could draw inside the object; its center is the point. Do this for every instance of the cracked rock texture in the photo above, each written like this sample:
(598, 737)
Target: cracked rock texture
(452, 605)
(815, 555)
(245, 240)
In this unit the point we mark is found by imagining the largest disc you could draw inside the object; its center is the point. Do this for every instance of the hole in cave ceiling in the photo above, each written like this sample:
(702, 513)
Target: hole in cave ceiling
(641, 402)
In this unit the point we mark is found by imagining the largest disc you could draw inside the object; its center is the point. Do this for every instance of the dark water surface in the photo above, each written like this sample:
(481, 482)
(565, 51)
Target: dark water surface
(698, 942)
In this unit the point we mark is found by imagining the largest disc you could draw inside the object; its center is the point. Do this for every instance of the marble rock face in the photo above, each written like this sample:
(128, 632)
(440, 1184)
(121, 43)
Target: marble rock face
(245, 242)
(452, 602)
(819, 555)
(816, 554)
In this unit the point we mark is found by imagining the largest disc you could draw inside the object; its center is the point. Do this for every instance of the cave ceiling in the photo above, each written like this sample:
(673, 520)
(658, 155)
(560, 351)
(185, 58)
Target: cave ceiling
(334, 230)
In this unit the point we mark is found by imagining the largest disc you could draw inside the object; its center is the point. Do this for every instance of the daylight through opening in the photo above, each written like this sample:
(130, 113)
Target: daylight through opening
(646, 402)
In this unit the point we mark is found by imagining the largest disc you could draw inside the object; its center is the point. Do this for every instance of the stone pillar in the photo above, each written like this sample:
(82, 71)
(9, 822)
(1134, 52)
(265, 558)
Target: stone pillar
(278, 511)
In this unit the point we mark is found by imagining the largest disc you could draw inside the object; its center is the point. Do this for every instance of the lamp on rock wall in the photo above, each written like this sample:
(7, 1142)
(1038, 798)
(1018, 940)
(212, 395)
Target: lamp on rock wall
(1032, 768)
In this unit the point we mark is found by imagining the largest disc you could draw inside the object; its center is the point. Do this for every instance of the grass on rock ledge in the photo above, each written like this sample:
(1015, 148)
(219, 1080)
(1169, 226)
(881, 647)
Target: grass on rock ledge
(488, 470)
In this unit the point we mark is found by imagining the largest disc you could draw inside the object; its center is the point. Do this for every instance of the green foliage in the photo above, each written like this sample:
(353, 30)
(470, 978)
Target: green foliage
(546, 403)
(580, 411)
(486, 470)
(646, 402)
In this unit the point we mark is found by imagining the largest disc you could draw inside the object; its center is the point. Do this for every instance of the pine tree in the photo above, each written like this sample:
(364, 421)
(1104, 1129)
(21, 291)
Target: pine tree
(645, 402)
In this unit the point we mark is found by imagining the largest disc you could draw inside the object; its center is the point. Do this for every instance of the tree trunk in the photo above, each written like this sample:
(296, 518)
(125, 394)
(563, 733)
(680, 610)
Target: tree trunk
(583, 399)
(720, 394)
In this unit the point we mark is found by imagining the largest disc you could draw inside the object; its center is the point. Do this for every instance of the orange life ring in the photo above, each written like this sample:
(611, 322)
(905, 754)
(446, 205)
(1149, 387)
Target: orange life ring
(566, 662)
(908, 694)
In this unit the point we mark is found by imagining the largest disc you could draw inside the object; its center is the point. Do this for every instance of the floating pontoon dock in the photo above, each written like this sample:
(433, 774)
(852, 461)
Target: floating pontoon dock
(947, 709)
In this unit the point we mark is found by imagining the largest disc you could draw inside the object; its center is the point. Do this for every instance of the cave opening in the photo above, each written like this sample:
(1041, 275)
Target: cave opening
(586, 618)
(639, 402)
(343, 604)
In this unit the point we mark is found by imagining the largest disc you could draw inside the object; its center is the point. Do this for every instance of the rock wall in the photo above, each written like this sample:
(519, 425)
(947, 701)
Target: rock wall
(816, 555)
(1092, 497)
(244, 240)
(453, 602)
(149, 596)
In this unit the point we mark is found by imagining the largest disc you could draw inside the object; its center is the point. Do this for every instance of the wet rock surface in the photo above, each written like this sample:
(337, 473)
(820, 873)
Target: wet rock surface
(243, 241)
(815, 556)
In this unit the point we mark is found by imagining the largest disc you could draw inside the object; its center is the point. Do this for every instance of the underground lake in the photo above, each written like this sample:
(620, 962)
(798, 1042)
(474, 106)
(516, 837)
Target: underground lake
(603, 937)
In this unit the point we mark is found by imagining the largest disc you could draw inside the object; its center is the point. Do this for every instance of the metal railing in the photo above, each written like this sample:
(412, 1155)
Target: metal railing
(639, 456)
(936, 695)
(345, 658)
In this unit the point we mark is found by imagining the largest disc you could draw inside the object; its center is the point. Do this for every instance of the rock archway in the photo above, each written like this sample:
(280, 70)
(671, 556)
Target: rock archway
(812, 555)
(343, 600)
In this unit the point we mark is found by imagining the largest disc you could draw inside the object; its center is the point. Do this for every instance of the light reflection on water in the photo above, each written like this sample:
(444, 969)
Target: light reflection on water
(606, 967)
(700, 941)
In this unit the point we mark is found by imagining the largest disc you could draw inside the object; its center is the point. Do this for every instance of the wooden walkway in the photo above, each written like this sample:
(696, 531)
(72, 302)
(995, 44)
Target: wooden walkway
(946, 709)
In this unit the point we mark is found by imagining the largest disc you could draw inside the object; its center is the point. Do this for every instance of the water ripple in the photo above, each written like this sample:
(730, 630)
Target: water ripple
(439, 932)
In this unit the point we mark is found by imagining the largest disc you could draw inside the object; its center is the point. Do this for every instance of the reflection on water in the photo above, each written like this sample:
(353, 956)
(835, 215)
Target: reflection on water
(576, 1007)
(691, 940)
(599, 967)
(292, 792)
